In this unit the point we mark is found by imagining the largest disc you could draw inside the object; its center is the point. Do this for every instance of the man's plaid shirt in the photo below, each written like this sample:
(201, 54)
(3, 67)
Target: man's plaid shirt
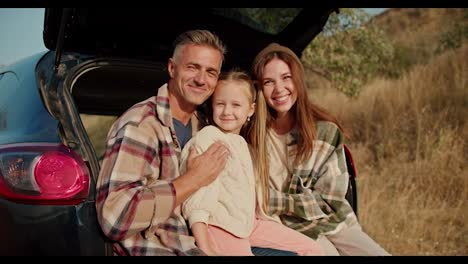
(135, 195)
(315, 201)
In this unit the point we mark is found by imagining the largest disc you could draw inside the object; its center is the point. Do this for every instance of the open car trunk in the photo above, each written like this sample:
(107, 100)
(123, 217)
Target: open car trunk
(131, 47)
(109, 59)
(148, 33)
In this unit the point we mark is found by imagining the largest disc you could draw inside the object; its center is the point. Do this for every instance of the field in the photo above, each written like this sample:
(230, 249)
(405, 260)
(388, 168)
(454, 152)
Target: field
(409, 141)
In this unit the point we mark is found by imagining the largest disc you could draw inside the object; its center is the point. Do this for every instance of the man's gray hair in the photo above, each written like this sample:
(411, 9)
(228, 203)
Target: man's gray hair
(199, 37)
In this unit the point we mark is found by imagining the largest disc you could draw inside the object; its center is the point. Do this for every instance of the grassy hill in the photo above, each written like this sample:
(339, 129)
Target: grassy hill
(409, 140)
(414, 25)
(420, 33)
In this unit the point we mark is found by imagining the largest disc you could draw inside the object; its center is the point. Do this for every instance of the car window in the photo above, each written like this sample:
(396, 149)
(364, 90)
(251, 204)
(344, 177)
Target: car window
(267, 20)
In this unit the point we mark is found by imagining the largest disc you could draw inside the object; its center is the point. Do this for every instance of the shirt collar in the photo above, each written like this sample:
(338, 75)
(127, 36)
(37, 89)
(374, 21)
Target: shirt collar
(163, 110)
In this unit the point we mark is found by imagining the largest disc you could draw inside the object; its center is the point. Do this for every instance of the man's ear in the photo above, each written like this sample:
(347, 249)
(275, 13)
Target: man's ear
(170, 67)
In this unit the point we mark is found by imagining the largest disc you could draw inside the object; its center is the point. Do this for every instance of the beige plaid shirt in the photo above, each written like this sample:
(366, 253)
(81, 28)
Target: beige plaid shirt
(135, 195)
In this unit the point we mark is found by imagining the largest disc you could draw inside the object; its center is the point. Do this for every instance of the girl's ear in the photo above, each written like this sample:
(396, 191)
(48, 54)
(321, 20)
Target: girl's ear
(251, 110)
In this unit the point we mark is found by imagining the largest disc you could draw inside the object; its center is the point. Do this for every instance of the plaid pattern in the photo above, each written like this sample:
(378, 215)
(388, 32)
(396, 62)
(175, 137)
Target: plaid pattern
(135, 195)
(315, 201)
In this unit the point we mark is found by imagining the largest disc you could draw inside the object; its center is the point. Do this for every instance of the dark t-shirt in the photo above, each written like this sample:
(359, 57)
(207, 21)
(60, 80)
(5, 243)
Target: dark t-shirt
(183, 133)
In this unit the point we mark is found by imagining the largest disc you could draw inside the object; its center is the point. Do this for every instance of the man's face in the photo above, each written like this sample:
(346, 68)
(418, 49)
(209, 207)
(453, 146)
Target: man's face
(194, 70)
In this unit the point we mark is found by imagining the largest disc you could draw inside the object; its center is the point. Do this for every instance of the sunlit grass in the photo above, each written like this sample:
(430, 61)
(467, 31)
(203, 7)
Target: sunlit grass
(409, 141)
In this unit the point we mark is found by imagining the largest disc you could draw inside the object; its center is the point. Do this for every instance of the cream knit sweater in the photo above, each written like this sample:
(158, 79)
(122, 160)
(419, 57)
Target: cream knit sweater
(228, 202)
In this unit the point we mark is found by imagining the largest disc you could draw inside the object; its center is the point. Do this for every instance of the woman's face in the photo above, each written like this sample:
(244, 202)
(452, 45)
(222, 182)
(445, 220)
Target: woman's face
(278, 87)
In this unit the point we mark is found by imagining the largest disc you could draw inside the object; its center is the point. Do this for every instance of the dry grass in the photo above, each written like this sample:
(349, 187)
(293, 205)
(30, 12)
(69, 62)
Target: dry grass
(97, 127)
(409, 26)
(409, 141)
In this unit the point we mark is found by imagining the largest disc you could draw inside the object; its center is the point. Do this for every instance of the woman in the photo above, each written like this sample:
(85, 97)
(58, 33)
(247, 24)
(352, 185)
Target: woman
(302, 161)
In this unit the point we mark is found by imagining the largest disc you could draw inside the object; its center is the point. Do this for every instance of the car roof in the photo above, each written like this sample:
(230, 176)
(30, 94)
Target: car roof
(148, 33)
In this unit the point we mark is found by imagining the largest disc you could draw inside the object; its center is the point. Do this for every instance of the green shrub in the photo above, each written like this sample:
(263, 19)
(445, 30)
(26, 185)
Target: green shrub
(454, 37)
(351, 49)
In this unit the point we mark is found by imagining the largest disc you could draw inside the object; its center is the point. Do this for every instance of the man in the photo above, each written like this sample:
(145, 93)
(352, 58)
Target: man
(139, 189)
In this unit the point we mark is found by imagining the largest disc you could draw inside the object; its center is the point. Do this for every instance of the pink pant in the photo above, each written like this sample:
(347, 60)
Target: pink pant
(266, 234)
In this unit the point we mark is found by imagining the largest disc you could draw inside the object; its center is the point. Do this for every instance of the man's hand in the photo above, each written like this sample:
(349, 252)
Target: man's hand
(207, 166)
(201, 170)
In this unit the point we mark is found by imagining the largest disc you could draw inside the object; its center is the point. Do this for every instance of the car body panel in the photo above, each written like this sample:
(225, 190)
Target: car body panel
(25, 120)
(50, 230)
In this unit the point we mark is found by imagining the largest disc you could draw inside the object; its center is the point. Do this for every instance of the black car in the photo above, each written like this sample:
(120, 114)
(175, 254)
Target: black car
(99, 63)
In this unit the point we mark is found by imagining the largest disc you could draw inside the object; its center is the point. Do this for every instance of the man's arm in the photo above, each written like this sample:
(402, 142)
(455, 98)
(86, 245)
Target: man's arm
(129, 199)
(129, 195)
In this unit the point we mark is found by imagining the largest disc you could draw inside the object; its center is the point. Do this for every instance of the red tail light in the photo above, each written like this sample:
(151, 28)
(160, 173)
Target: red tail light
(42, 174)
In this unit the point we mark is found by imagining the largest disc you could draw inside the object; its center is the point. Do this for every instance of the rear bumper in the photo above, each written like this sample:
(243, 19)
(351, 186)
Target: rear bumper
(50, 230)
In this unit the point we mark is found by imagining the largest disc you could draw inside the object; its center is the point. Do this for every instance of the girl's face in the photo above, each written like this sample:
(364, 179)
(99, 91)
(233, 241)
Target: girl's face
(232, 105)
(278, 87)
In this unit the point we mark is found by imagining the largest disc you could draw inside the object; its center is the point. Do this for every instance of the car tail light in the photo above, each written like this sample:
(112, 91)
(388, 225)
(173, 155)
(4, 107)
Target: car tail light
(42, 173)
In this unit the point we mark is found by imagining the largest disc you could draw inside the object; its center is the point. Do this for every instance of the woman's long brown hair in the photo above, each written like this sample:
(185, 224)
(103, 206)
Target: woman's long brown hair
(306, 113)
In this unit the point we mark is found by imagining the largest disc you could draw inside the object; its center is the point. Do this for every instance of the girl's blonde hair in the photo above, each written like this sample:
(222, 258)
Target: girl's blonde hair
(256, 137)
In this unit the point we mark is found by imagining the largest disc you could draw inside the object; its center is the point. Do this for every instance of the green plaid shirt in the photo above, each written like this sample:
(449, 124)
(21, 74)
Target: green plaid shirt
(314, 203)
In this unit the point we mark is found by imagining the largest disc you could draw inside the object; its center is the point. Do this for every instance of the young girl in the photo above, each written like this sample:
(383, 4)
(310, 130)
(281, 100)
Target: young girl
(224, 216)
(304, 164)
